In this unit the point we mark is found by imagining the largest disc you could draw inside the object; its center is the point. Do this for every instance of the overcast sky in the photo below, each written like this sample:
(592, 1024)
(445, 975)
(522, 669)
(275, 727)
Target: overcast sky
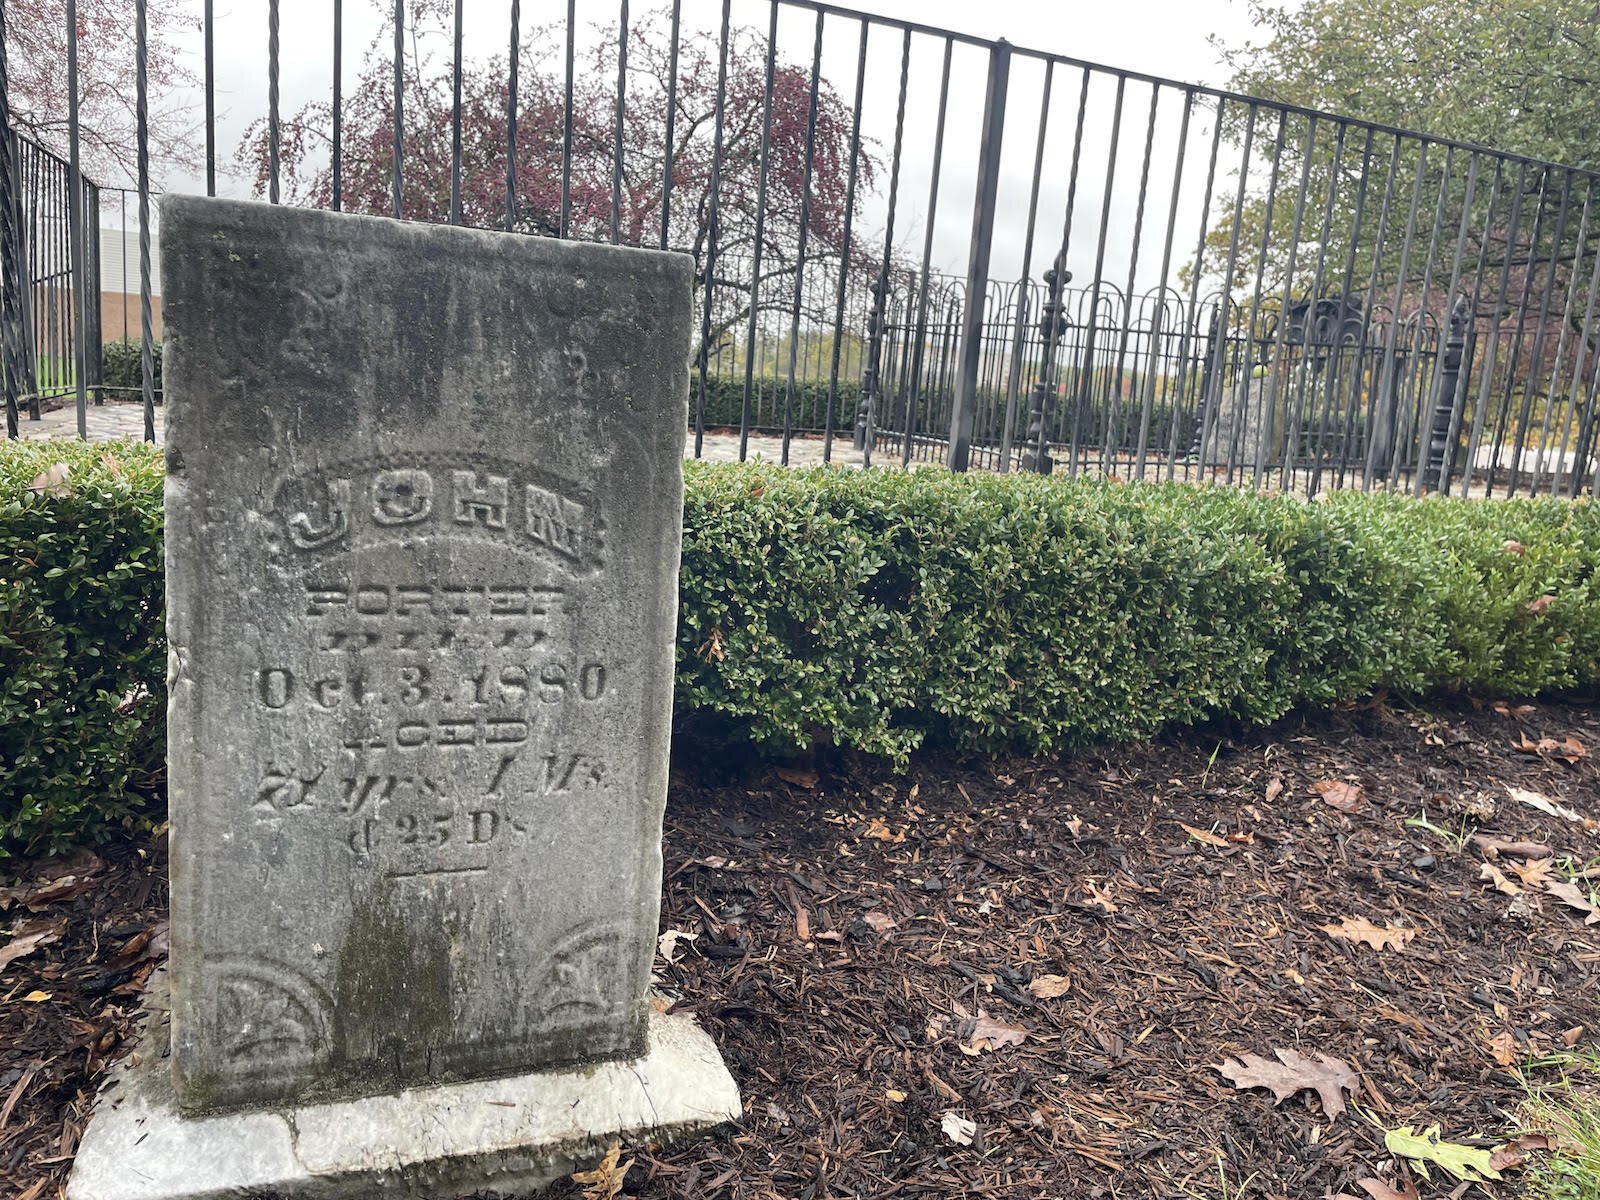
(1160, 37)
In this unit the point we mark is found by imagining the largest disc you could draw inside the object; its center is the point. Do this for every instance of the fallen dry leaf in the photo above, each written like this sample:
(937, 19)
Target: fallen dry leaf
(1569, 748)
(1379, 937)
(1294, 1072)
(801, 777)
(1100, 897)
(52, 481)
(878, 830)
(26, 943)
(879, 921)
(1203, 835)
(989, 1034)
(958, 1129)
(605, 1181)
(1490, 873)
(1544, 804)
(1379, 1190)
(894, 1096)
(36, 997)
(1048, 987)
(1539, 603)
(1573, 896)
(1345, 797)
(1511, 547)
(1503, 1046)
(667, 943)
(1534, 873)
(1274, 788)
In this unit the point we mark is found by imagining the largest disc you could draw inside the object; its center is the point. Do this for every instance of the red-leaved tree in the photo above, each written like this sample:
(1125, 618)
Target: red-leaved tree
(305, 166)
(36, 46)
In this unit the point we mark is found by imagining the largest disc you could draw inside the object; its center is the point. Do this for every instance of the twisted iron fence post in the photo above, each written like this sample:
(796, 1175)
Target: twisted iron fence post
(1052, 324)
(1446, 397)
(14, 338)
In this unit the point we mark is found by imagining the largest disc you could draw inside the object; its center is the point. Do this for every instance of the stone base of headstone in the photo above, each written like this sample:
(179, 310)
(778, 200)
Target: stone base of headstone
(485, 1137)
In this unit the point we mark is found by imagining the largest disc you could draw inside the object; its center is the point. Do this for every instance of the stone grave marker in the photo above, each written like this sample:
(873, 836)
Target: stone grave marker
(423, 510)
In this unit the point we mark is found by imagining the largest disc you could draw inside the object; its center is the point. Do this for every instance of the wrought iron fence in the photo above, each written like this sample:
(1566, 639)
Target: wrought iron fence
(1093, 270)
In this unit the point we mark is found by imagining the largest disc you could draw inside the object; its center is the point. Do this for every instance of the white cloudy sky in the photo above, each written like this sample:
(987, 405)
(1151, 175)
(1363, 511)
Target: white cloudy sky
(1161, 37)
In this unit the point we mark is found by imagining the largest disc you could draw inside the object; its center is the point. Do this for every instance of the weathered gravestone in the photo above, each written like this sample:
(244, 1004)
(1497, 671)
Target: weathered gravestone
(423, 509)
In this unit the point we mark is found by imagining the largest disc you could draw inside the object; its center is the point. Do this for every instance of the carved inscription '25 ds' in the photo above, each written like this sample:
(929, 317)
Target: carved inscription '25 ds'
(379, 499)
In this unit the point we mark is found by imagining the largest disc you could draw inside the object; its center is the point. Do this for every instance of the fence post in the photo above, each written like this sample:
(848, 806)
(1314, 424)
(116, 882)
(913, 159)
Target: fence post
(13, 328)
(1445, 399)
(983, 205)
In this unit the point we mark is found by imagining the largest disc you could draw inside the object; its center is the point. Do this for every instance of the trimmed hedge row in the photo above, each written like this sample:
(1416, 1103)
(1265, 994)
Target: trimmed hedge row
(880, 611)
(82, 650)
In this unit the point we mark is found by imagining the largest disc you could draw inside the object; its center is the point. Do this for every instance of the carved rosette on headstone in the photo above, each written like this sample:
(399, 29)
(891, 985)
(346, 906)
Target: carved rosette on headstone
(424, 501)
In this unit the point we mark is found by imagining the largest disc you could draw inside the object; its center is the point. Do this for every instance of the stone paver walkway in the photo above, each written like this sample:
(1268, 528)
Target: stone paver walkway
(113, 420)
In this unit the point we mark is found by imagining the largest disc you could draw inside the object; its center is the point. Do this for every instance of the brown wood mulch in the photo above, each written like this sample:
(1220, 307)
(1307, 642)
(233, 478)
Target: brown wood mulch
(875, 955)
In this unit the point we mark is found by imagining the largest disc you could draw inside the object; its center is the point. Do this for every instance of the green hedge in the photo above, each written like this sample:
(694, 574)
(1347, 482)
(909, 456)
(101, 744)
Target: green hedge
(883, 611)
(82, 653)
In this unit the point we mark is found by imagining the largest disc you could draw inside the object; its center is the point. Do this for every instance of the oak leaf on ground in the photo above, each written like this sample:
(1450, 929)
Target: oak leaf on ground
(1294, 1072)
(605, 1181)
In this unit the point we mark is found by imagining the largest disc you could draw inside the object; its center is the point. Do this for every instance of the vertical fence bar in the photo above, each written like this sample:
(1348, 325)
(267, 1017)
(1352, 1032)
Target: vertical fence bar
(1519, 438)
(1402, 445)
(714, 192)
(1086, 370)
(1552, 404)
(1210, 418)
(1239, 425)
(147, 373)
(1503, 419)
(985, 193)
(1486, 374)
(1019, 328)
(1113, 410)
(913, 395)
(207, 19)
(866, 413)
(12, 285)
(274, 134)
(668, 155)
(760, 233)
(1269, 402)
(844, 245)
(566, 124)
(512, 55)
(1382, 429)
(338, 104)
(622, 108)
(75, 224)
(1192, 325)
(1432, 472)
(805, 219)
(1585, 417)
(1148, 403)
(398, 182)
(455, 113)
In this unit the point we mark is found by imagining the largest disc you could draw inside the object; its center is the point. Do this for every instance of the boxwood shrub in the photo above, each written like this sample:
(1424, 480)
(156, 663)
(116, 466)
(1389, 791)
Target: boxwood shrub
(878, 611)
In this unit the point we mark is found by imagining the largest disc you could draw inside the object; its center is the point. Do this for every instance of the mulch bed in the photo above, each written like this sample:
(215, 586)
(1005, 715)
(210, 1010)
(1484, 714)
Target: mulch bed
(870, 950)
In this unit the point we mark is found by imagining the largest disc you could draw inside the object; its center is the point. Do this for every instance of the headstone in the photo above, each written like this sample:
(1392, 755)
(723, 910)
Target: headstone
(423, 509)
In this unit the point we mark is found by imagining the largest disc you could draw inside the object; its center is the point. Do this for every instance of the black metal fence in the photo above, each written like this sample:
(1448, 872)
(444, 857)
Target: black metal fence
(1090, 270)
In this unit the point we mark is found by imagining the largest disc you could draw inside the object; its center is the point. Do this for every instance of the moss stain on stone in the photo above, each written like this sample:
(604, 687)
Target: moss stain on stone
(392, 1007)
